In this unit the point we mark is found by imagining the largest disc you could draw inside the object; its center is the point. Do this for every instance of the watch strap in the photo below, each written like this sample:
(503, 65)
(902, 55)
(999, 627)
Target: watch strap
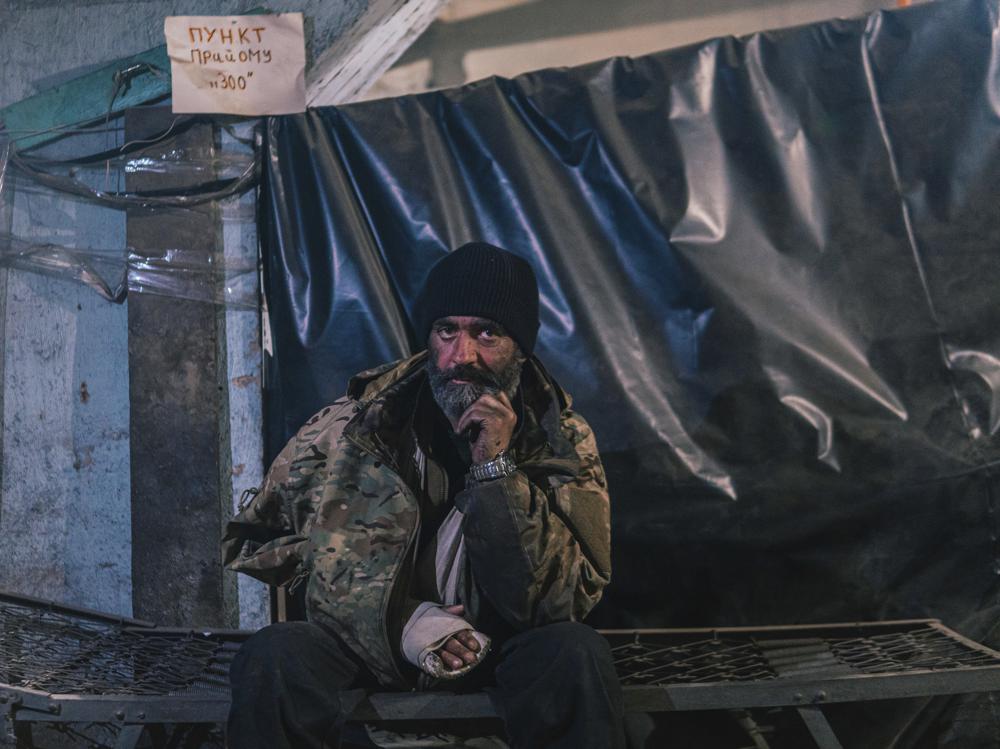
(502, 465)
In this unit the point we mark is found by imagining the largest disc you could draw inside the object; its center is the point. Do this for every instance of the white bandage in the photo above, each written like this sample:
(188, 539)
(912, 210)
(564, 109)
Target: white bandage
(428, 629)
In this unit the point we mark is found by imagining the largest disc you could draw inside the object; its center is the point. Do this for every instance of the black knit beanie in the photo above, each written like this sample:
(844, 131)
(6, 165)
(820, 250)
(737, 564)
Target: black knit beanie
(480, 280)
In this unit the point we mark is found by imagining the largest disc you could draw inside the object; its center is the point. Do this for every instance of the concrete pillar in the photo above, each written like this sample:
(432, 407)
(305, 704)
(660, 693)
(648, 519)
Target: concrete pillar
(177, 390)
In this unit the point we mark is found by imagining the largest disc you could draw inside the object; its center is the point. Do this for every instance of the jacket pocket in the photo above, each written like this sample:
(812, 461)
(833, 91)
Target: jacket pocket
(276, 562)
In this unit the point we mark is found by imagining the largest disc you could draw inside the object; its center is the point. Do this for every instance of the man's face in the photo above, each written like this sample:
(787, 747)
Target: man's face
(469, 357)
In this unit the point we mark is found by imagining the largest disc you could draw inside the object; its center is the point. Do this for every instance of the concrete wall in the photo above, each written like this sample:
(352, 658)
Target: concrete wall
(244, 374)
(65, 503)
(65, 494)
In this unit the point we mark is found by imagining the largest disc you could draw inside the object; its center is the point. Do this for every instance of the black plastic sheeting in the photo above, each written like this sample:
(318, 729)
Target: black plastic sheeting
(770, 271)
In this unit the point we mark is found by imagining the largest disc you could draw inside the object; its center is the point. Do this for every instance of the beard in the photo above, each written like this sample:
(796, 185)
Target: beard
(454, 398)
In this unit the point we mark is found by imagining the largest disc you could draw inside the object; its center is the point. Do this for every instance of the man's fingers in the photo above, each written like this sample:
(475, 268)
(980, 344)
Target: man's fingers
(455, 653)
(496, 420)
(465, 420)
(472, 415)
(455, 647)
(498, 404)
(453, 662)
(461, 648)
(487, 416)
(489, 406)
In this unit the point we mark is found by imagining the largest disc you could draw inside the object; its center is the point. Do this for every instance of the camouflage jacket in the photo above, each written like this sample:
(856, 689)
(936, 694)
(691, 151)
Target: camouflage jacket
(335, 511)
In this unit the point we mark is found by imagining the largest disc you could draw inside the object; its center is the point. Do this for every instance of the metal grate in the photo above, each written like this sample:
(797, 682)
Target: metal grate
(681, 657)
(64, 651)
(647, 661)
(909, 651)
(61, 653)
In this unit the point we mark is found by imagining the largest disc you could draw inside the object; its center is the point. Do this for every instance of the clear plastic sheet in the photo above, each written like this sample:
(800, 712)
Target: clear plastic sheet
(5, 188)
(210, 192)
(193, 275)
(115, 273)
(218, 181)
(101, 270)
(230, 210)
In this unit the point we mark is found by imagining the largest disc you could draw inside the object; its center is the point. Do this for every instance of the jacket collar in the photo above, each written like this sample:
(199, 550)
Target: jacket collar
(387, 394)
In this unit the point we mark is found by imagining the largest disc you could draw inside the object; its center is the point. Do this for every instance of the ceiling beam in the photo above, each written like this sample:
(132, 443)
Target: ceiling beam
(356, 59)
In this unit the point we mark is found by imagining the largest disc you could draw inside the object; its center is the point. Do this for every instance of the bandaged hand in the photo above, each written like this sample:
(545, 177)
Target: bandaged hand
(441, 643)
(462, 648)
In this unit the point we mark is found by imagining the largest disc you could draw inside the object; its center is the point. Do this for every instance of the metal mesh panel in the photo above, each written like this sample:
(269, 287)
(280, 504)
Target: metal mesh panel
(908, 651)
(645, 662)
(664, 657)
(62, 653)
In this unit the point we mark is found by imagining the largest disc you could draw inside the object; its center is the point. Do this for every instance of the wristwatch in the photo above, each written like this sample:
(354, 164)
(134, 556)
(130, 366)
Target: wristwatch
(500, 466)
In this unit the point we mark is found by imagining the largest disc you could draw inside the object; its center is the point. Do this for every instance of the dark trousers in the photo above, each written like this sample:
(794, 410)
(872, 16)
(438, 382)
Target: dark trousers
(554, 686)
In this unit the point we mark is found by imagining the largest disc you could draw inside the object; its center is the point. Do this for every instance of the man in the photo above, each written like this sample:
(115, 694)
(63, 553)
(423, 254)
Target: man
(449, 519)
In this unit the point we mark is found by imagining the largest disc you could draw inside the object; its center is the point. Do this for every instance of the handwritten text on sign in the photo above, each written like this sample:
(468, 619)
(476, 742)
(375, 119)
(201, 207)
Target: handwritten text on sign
(246, 65)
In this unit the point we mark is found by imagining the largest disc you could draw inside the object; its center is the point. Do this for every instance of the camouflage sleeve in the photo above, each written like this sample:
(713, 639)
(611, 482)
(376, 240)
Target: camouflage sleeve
(542, 554)
(267, 538)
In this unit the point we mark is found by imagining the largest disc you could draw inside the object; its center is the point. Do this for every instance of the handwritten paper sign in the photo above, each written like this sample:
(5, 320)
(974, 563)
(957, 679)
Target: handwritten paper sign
(246, 65)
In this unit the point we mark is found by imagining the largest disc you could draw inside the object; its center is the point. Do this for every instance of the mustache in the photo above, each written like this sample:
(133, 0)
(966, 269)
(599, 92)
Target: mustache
(469, 373)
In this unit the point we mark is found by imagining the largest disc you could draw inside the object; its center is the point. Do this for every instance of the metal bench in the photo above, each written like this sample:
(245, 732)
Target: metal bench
(67, 666)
